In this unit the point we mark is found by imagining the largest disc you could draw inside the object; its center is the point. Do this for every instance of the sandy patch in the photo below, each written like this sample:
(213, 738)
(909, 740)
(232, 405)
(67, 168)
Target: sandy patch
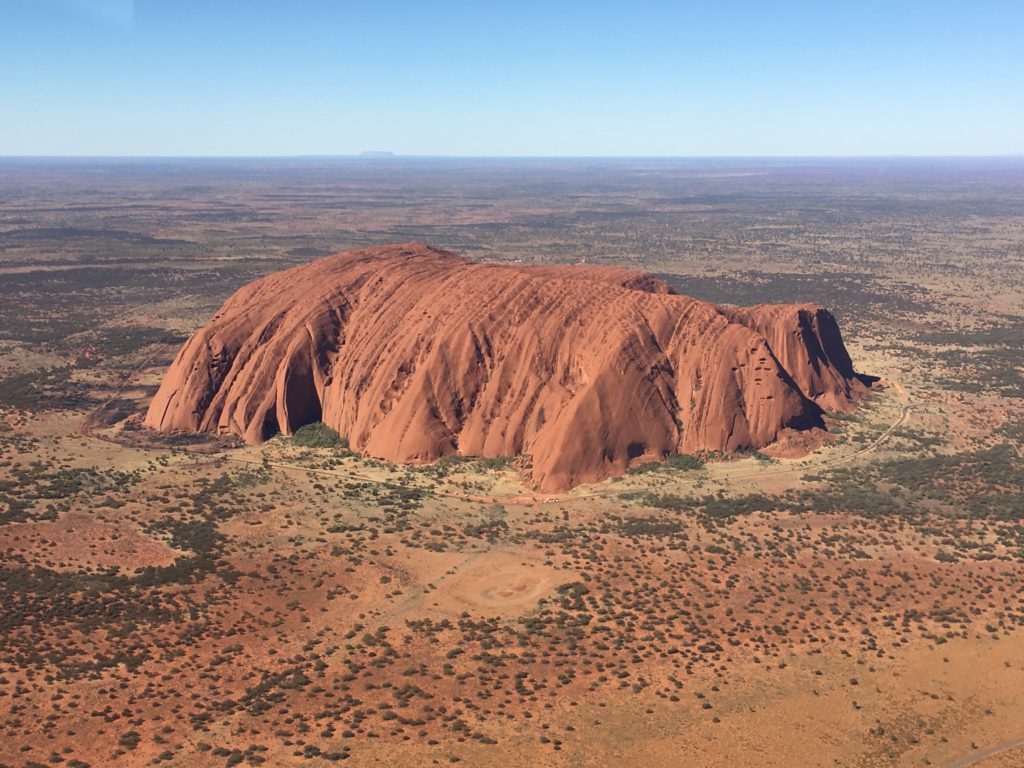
(77, 542)
(498, 584)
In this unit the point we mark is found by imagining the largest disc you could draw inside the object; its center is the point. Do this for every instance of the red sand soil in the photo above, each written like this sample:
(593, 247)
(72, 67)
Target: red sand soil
(77, 542)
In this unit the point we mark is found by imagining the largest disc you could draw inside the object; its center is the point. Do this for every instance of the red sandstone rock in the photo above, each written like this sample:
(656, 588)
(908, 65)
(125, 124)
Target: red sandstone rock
(415, 353)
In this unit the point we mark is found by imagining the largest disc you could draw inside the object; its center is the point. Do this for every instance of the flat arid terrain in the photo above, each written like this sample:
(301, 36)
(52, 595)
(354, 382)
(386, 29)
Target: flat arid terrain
(855, 598)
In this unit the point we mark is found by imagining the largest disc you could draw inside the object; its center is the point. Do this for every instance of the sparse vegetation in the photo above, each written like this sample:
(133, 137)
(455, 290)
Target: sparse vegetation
(167, 601)
(318, 435)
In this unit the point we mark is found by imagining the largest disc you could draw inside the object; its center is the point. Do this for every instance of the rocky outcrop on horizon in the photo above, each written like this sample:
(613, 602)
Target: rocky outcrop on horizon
(414, 353)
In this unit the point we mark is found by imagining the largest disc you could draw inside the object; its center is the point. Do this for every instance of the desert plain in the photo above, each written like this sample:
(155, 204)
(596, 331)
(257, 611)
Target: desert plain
(188, 600)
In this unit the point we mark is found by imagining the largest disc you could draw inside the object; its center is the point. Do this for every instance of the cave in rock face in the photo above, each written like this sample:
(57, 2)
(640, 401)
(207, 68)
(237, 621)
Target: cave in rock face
(415, 353)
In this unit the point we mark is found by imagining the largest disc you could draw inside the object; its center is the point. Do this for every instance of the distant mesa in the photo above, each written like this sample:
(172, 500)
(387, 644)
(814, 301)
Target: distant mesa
(415, 353)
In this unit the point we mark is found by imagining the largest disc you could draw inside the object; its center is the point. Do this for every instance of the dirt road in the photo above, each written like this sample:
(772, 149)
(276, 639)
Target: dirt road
(983, 754)
(595, 493)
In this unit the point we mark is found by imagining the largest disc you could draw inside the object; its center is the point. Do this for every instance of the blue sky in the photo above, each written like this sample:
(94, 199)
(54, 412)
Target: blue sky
(644, 77)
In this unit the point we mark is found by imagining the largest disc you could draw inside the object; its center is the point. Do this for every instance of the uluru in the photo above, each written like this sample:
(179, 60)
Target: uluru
(415, 353)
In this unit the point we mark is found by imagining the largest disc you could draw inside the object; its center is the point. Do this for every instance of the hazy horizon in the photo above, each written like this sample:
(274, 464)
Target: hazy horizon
(426, 156)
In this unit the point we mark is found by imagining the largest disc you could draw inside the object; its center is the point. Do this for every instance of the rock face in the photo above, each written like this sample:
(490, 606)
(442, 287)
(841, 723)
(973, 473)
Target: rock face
(415, 353)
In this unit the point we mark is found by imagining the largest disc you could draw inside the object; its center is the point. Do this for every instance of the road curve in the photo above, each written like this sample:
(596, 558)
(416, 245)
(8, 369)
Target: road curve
(904, 415)
(983, 754)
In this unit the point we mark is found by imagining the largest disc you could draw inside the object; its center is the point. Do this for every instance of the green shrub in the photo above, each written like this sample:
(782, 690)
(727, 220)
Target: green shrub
(318, 435)
(683, 461)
